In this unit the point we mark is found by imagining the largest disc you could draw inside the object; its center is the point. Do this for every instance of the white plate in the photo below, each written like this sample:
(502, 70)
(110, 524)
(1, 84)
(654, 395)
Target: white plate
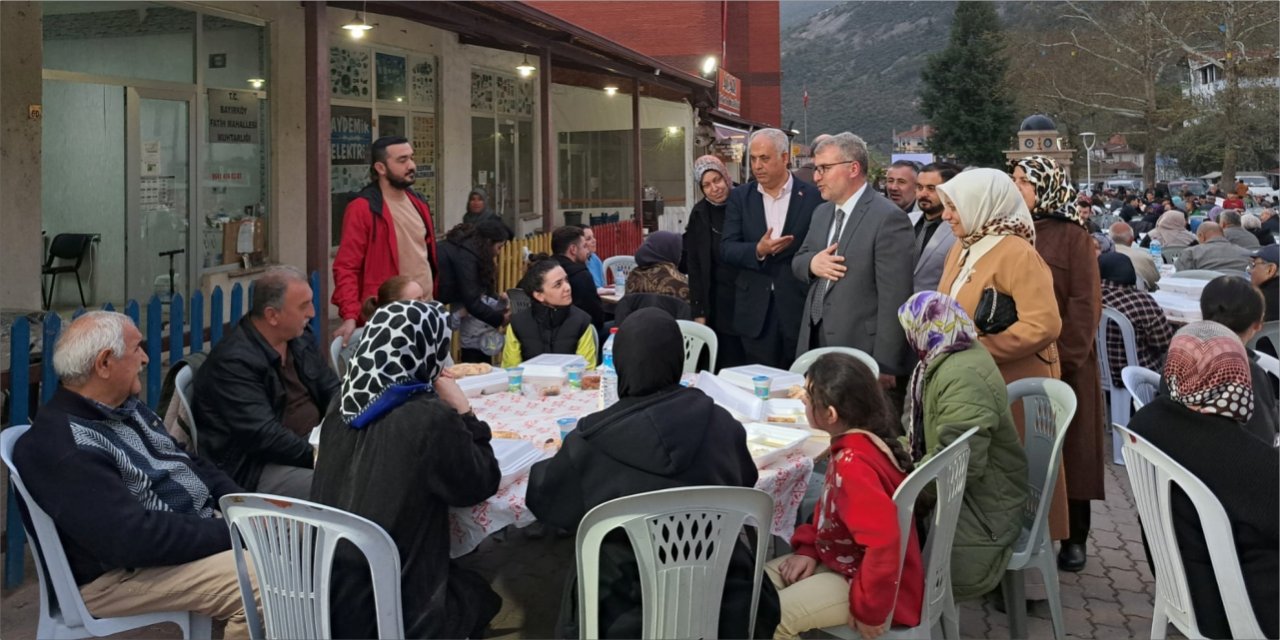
(768, 443)
(785, 407)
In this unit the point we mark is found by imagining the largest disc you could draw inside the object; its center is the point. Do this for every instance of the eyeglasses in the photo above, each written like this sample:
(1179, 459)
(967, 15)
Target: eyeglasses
(821, 169)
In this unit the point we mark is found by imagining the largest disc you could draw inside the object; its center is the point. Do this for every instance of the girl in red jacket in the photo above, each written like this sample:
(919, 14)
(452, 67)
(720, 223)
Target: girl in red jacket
(845, 566)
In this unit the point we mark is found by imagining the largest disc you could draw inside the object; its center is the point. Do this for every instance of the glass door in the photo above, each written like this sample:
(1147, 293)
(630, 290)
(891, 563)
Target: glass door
(159, 176)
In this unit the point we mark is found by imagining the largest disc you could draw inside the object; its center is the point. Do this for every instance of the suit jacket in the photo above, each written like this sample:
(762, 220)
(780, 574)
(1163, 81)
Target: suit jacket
(861, 308)
(931, 258)
(761, 281)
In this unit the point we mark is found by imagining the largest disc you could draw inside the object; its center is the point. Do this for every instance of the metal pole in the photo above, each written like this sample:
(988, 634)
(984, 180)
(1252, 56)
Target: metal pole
(548, 138)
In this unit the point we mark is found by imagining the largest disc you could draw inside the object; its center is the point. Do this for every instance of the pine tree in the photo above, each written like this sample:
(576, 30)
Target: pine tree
(964, 94)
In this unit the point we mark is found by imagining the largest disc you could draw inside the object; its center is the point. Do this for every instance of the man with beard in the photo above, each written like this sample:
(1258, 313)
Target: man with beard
(386, 231)
(900, 186)
(931, 247)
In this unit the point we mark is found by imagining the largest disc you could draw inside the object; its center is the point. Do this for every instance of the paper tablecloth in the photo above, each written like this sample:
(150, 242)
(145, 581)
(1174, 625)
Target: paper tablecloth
(534, 419)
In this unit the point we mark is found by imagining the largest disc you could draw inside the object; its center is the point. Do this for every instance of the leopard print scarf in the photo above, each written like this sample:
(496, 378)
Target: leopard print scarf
(404, 342)
(1055, 195)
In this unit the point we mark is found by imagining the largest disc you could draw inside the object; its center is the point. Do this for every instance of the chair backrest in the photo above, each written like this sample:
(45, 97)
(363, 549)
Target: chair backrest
(1171, 253)
(1151, 472)
(949, 468)
(683, 540)
(339, 355)
(69, 246)
(695, 336)
(1142, 383)
(1268, 363)
(520, 301)
(182, 384)
(1200, 274)
(292, 543)
(1112, 316)
(807, 358)
(1047, 408)
(58, 589)
(1270, 332)
(621, 263)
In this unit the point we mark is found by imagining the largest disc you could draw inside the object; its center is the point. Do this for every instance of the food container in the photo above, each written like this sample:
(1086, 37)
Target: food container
(770, 443)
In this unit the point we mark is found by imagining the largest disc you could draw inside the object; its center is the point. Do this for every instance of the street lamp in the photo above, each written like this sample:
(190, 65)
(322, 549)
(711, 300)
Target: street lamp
(1089, 138)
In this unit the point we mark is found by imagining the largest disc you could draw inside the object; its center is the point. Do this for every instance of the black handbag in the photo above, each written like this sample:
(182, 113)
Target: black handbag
(995, 313)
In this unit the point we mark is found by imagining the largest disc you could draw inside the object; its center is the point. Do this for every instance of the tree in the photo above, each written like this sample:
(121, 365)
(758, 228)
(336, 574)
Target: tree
(964, 94)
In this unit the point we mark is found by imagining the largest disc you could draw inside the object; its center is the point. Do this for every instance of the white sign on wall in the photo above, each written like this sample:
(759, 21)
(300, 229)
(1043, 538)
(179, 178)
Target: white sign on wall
(233, 117)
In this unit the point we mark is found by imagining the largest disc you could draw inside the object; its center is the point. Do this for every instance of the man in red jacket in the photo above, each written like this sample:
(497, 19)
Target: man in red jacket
(386, 231)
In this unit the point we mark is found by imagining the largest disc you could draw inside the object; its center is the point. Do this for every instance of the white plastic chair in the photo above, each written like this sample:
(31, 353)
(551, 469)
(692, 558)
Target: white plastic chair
(695, 336)
(62, 611)
(1200, 274)
(1142, 383)
(182, 390)
(622, 263)
(1270, 332)
(1120, 400)
(1268, 363)
(292, 544)
(1047, 408)
(683, 539)
(949, 468)
(1151, 472)
(807, 358)
(339, 354)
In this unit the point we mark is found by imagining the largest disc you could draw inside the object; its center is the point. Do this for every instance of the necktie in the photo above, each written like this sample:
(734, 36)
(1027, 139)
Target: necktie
(819, 296)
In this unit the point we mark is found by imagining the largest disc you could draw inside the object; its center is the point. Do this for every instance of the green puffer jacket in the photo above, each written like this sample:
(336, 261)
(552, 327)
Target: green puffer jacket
(964, 390)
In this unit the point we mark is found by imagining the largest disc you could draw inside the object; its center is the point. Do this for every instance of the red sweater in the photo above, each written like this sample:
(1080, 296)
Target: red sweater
(369, 255)
(857, 532)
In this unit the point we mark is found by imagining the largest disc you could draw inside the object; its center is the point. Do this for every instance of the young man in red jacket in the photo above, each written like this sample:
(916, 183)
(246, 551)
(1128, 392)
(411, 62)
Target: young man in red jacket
(386, 231)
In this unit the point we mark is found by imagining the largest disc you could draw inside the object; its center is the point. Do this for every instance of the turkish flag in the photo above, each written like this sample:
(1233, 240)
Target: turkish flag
(806, 98)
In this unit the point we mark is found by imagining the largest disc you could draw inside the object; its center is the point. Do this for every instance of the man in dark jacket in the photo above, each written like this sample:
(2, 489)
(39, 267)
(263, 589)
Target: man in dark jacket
(570, 248)
(134, 512)
(264, 387)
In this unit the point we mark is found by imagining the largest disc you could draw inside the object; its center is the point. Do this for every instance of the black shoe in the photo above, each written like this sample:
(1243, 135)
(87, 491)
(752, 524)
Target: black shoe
(1071, 557)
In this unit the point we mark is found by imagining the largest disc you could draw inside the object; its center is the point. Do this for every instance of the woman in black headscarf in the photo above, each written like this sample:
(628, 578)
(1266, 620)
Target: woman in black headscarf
(659, 435)
(478, 210)
(399, 448)
(656, 270)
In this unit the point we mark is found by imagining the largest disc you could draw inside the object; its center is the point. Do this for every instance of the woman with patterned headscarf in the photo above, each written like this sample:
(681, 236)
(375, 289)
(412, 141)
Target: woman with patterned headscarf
(711, 280)
(400, 447)
(1199, 425)
(1069, 250)
(956, 386)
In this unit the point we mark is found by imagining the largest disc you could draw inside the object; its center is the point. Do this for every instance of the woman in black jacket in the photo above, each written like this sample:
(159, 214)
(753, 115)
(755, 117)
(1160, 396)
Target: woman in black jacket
(1200, 425)
(399, 448)
(551, 324)
(711, 281)
(469, 286)
(659, 435)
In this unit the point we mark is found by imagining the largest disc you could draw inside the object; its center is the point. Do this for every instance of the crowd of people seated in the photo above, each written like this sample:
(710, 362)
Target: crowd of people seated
(775, 267)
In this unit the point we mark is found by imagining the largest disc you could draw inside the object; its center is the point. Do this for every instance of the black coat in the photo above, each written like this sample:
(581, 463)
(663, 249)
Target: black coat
(403, 472)
(1241, 472)
(585, 296)
(711, 280)
(240, 399)
(460, 284)
(673, 438)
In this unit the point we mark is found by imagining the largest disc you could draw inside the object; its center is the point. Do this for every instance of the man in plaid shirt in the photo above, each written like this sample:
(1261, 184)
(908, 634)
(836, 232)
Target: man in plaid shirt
(1150, 326)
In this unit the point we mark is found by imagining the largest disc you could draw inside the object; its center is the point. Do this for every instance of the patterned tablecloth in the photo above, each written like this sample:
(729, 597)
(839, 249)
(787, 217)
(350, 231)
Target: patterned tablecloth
(534, 419)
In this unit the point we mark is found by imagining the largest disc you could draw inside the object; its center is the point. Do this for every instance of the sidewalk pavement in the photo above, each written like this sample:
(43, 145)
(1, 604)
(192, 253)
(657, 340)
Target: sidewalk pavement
(1110, 598)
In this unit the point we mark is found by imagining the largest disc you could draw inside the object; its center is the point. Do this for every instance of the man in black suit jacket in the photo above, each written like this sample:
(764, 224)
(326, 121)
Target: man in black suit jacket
(762, 221)
(569, 246)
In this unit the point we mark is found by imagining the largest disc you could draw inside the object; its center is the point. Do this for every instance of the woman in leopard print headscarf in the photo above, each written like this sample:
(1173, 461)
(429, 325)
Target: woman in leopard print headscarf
(1065, 244)
(400, 448)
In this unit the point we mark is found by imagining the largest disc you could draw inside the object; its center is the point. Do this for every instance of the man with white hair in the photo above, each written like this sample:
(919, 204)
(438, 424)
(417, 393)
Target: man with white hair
(1122, 235)
(134, 511)
(1234, 231)
(763, 218)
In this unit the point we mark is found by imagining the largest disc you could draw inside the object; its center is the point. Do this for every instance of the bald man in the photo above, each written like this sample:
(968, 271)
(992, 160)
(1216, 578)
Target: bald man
(1122, 235)
(1214, 253)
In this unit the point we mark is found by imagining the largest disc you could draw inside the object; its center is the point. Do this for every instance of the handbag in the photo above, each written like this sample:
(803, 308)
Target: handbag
(995, 313)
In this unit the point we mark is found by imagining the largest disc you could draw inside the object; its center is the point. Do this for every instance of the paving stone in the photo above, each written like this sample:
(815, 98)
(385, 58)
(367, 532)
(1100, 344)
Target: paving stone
(1107, 632)
(1139, 626)
(1114, 558)
(1130, 533)
(1135, 603)
(1106, 613)
(1078, 623)
(1106, 539)
(1128, 580)
(1097, 587)
(1072, 597)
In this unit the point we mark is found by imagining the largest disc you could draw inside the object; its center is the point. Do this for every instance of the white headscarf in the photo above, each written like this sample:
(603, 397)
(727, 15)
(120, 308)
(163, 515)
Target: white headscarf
(989, 205)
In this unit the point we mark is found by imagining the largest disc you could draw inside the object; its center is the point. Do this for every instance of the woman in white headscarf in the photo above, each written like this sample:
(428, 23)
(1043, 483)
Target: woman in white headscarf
(996, 262)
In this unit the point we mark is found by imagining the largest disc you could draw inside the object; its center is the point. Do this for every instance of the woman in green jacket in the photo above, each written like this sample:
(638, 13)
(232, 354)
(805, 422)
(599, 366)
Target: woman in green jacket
(957, 386)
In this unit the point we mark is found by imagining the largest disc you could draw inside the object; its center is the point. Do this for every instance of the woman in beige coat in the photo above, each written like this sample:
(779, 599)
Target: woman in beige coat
(995, 234)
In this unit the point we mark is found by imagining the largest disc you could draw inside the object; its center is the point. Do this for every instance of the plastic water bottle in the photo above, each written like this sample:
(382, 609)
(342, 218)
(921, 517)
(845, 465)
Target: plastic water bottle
(608, 374)
(1157, 252)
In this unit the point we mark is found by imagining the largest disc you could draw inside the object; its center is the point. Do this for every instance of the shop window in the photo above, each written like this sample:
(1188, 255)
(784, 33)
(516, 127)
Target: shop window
(123, 39)
(502, 142)
(595, 167)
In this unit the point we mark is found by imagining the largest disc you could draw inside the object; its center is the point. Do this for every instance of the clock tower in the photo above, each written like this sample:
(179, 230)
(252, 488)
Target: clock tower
(1038, 136)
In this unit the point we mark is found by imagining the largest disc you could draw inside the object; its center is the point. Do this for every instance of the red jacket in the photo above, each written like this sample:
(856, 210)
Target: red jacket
(856, 532)
(368, 254)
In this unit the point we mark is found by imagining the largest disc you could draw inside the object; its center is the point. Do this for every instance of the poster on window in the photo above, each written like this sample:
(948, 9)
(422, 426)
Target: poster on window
(233, 117)
(389, 71)
(350, 134)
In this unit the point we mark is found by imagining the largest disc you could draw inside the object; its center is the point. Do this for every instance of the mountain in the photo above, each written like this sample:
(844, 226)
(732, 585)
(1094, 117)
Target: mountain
(794, 12)
(861, 63)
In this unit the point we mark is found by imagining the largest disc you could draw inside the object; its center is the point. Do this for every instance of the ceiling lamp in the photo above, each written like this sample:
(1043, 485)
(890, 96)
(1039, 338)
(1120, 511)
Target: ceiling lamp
(358, 24)
(525, 68)
(257, 83)
(611, 90)
(708, 65)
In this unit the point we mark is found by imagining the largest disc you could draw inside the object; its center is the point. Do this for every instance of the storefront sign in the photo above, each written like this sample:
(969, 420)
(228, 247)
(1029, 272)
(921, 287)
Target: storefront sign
(233, 117)
(350, 134)
(730, 93)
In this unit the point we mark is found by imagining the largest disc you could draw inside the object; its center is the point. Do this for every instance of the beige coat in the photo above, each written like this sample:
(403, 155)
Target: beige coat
(1026, 349)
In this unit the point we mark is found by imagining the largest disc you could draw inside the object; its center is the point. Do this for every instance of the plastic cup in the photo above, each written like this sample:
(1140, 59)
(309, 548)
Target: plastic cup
(761, 384)
(515, 379)
(566, 425)
(574, 372)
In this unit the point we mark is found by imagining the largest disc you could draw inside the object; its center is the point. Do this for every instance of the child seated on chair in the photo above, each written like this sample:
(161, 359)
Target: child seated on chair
(845, 566)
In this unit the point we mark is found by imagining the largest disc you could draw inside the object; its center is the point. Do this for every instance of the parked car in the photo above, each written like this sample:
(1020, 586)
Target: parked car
(1132, 185)
(1196, 186)
(1259, 186)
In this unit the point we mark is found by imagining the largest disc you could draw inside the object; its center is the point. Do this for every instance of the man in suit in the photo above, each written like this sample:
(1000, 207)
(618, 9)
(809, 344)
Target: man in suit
(857, 261)
(931, 246)
(762, 219)
(900, 187)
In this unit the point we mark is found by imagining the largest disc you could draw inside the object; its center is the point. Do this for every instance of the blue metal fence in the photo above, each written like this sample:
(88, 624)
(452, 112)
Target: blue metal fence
(184, 338)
